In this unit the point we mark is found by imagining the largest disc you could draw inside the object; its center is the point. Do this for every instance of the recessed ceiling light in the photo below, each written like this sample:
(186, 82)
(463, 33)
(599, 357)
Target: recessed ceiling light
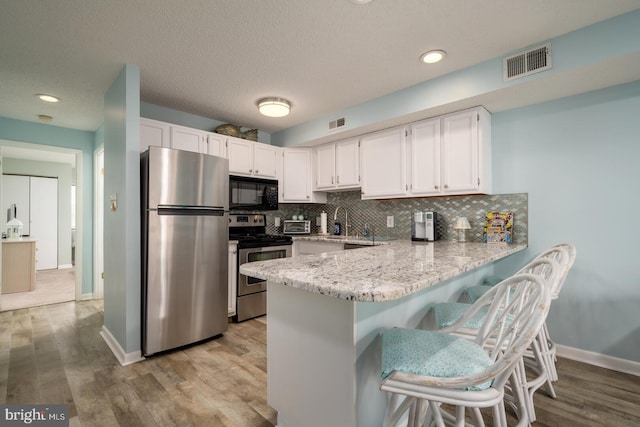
(274, 107)
(433, 56)
(48, 98)
(45, 118)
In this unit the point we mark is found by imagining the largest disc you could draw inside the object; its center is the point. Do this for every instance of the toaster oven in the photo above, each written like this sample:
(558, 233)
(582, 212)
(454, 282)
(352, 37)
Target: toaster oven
(297, 227)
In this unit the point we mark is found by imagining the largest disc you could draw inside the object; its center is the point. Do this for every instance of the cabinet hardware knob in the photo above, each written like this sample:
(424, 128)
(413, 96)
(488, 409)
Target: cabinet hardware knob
(435, 186)
(250, 170)
(257, 171)
(338, 180)
(446, 186)
(332, 180)
(307, 196)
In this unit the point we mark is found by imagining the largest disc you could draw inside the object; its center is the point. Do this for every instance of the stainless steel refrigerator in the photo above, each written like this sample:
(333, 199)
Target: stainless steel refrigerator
(185, 233)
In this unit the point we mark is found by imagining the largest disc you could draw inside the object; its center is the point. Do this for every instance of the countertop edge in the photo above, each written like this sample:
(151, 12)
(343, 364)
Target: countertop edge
(364, 285)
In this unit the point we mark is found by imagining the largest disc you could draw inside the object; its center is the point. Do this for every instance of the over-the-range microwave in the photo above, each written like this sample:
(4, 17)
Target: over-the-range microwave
(252, 194)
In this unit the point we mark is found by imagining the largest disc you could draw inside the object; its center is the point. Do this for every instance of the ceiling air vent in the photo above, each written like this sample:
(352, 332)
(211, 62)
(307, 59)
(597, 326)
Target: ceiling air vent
(525, 63)
(337, 124)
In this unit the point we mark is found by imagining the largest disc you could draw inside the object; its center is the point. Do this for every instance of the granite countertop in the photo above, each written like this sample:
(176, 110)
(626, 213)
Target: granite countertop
(379, 273)
(328, 238)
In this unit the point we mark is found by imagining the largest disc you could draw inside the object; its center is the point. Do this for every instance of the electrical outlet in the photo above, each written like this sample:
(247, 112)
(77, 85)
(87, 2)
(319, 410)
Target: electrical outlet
(276, 221)
(390, 221)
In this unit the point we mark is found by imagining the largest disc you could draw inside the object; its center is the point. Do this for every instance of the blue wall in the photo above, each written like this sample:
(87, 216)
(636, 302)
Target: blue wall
(37, 133)
(578, 159)
(122, 260)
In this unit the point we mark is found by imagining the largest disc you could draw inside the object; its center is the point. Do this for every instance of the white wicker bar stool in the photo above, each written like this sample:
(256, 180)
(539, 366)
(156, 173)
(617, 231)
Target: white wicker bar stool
(423, 369)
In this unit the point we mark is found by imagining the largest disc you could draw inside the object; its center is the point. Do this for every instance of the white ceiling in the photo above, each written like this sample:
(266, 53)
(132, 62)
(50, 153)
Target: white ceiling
(216, 58)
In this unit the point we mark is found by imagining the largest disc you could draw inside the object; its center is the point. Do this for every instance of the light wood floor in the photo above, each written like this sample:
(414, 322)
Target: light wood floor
(54, 354)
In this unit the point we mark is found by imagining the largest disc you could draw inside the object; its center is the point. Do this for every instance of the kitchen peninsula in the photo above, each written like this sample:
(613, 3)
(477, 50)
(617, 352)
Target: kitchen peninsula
(326, 314)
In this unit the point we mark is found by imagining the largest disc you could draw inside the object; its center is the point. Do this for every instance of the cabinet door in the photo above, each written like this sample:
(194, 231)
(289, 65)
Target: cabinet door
(240, 154)
(153, 133)
(325, 156)
(348, 164)
(264, 160)
(216, 145)
(425, 158)
(44, 221)
(187, 139)
(460, 152)
(383, 164)
(233, 276)
(295, 175)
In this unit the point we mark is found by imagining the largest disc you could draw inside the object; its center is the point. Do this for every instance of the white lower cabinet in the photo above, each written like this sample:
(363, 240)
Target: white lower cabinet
(233, 277)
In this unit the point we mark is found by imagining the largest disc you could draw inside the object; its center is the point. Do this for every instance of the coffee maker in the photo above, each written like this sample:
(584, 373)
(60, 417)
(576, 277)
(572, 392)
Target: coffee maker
(423, 226)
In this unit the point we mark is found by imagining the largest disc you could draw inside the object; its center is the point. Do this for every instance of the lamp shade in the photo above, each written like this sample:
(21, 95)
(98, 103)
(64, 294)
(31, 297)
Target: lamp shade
(274, 107)
(462, 223)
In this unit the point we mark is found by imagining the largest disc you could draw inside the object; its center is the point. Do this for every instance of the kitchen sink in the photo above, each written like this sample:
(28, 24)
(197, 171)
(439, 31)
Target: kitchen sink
(375, 239)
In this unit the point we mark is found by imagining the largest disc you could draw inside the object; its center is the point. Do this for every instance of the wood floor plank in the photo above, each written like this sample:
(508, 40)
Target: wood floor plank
(54, 354)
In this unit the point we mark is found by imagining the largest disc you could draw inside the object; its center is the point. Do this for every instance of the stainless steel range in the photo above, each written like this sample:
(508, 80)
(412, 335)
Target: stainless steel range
(254, 245)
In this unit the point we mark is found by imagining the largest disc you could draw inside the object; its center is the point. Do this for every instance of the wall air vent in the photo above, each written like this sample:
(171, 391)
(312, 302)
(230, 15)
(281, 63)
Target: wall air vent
(525, 63)
(337, 124)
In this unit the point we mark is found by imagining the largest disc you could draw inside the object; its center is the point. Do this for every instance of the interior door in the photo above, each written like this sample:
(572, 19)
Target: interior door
(44, 221)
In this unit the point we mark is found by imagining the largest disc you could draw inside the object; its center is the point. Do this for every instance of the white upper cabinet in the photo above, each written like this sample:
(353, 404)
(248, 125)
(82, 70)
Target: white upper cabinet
(296, 179)
(240, 154)
(216, 145)
(338, 165)
(441, 156)
(325, 156)
(466, 152)
(251, 158)
(424, 154)
(265, 158)
(153, 133)
(383, 162)
(188, 139)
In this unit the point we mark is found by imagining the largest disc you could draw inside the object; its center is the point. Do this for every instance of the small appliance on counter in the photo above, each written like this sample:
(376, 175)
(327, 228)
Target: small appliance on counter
(297, 226)
(423, 226)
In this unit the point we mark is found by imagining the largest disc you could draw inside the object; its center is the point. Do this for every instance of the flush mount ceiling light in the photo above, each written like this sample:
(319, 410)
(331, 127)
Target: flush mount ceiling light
(274, 107)
(433, 56)
(48, 98)
(361, 1)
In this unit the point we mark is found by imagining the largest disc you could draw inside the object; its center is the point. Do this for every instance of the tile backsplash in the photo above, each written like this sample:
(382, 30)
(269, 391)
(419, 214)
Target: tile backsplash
(373, 213)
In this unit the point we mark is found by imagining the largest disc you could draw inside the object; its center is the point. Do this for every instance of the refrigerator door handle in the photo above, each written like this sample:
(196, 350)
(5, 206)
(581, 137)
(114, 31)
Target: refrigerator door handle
(191, 210)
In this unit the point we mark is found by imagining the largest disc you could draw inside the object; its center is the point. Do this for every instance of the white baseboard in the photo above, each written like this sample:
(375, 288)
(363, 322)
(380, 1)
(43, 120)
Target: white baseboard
(86, 297)
(63, 266)
(124, 358)
(601, 360)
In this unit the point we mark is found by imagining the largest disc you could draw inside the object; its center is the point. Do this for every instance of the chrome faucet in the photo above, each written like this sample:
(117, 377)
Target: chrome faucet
(346, 220)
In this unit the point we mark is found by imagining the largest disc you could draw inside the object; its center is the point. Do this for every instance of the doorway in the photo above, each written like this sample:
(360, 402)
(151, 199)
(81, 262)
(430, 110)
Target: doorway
(62, 281)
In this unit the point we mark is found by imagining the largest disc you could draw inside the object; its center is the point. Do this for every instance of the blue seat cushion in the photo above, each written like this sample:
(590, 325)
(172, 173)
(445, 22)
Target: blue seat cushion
(433, 354)
(447, 313)
(475, 292)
